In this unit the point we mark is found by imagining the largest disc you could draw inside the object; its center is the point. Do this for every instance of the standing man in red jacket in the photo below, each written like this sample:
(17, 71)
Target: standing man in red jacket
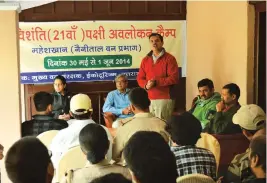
(157, 73)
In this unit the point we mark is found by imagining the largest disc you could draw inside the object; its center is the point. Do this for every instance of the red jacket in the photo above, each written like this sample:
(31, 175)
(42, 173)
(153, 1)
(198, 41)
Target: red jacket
(164, 71)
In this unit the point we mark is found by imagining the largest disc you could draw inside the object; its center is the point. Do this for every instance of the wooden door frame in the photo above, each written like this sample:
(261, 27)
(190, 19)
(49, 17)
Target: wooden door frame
(260, 6)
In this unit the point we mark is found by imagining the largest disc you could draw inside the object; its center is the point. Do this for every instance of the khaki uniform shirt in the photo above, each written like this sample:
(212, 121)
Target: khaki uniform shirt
(238, 169)
(139, 122)
(92, 171)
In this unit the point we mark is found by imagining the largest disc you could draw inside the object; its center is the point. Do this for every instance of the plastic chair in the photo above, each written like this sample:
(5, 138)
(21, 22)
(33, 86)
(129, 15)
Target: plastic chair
(72, 159)
(195, 178)
(209, 142)
(47, 137)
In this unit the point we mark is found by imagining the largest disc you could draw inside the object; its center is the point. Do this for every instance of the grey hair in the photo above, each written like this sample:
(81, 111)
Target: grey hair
(121, 76)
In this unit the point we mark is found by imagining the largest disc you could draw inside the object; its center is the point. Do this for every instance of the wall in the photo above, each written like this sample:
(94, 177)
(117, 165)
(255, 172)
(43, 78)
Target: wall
(220, 46)
(9, 77)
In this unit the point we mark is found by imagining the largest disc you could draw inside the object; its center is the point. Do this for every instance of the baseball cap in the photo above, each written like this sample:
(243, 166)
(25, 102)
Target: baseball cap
(80, 101)
(249, 116)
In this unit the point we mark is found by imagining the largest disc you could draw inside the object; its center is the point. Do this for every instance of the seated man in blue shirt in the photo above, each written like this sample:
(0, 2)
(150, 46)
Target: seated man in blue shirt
(117, 103)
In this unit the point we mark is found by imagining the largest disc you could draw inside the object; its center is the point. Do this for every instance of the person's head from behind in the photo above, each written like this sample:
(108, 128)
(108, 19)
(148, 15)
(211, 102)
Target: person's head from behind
(60, 84)
(205, 88)
(139, 100)
(185, 129)
(150, 159)
(81, 107)
(250, 118)
(230, 93)
(94, 142)
(43, 102)
(156, 42)
(111, 178)
(257, 156)
(28, 161)
(121, 82)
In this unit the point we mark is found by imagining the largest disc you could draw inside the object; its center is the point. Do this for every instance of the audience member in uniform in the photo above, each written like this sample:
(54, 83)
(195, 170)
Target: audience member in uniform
(94, 144)
(251, 118)
(257, 158)
(28, 161)
(111, 178)
(141, 121)
(222, 122)
(43, 120)
(185, 130)
(81, 110)
(204, 105)
(149, 158)
(117, 104)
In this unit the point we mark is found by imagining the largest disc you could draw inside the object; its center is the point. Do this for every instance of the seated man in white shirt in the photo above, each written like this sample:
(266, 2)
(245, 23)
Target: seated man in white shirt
(81, 110)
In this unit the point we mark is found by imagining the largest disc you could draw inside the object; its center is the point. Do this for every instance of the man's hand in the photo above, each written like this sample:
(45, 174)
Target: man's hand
(194, 101)
(65, 117)
(220, 106)
(126, 111)
(130, 110)
(150, 84)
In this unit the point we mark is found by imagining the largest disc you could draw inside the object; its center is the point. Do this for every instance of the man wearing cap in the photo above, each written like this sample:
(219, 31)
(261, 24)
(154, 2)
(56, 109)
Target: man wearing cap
(81, 110)
(251, 118)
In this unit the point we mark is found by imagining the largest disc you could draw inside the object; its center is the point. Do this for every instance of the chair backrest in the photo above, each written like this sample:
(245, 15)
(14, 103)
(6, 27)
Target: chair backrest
(195, 178)
(72, 159)
(209, 142)
(231, 145)
(47, 137)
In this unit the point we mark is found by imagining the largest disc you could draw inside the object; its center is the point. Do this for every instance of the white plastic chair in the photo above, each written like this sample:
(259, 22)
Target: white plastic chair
(195, 178)
(72, 159)
(47, 137)
(209, 142)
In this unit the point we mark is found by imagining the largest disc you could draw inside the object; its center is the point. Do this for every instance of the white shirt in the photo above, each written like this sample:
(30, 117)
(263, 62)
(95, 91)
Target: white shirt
(69, 137)
(155, 58)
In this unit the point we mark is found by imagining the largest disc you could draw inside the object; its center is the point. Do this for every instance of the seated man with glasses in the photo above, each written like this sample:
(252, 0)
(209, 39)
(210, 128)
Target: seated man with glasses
(117, 103)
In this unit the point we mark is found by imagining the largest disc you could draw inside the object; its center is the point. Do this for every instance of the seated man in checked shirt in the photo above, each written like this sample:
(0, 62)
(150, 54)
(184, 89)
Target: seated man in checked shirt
(117, 104)
(185, 130)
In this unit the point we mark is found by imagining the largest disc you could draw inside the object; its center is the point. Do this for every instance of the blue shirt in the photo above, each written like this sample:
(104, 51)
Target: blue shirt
(116, 102)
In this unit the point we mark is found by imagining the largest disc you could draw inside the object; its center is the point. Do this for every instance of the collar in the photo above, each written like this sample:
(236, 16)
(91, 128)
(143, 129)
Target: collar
(65, 93)
(126, 92)
(204, 102)
(151, 52)
(160, 54)
(79, 122)
(143, 115)
(231, 106)
(104, 162)
(42, 117)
